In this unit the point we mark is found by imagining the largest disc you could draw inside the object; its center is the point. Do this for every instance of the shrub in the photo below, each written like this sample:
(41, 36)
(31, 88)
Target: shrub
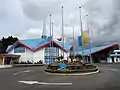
(39, 62)
(28, 62)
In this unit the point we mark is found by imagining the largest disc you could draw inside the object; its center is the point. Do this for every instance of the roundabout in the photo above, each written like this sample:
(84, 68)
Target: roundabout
(74, 68)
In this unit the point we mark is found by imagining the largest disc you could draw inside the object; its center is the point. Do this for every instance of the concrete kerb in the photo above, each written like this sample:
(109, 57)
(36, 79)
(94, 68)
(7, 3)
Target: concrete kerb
(74, 74)
(106, 63)
(27, 65)
(5, 66)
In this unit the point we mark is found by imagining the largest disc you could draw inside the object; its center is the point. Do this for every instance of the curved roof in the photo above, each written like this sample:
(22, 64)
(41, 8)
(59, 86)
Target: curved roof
(94, 49)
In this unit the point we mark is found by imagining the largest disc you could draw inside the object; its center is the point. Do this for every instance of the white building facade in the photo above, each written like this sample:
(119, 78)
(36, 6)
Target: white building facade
(35, 51)
(114, 57)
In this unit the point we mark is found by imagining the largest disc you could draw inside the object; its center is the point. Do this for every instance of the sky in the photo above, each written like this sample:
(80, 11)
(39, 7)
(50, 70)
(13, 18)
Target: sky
(24, 18)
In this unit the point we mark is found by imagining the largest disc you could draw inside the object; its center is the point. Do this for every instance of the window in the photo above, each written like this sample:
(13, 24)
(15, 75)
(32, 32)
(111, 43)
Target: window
(19, 50)
(113, 53)
(51, 54)
(49, 60)
(118, 52)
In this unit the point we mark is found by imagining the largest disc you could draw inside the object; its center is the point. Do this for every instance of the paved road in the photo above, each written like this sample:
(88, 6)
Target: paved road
(107, 79)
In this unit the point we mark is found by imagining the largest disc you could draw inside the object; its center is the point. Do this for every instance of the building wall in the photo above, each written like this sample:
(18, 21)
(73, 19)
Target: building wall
(27, 56)
(109, 60)
(114, 55)
(66, 54)
(116, 59)
(38, 55)
(30, 56)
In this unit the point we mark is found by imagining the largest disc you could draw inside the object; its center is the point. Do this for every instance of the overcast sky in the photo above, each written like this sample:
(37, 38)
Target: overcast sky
(24, 18)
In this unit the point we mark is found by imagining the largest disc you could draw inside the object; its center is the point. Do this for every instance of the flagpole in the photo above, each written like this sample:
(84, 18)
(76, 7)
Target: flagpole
(73, 40)
(89, 36)
(50, 25)
(63, 29)
(50, 41)
(52, 34)
(81, 28)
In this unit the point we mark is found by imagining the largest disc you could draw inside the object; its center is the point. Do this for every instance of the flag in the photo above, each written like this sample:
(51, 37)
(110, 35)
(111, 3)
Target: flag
(84, 39)
(80, 40)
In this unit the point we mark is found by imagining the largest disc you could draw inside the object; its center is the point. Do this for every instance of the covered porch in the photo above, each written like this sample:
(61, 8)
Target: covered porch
(99, 54)
(8, 59)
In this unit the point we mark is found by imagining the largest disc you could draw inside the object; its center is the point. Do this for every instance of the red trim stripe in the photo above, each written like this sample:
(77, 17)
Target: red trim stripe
(18, 42)
(104, 49)
(48, 44)
(60, 46)
(25, 46)
(33, 50)
(41, 46)
(12, 46)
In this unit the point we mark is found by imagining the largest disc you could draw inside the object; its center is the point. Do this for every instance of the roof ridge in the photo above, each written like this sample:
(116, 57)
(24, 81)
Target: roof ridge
(29, 39)
(35, 43)
(43, 39)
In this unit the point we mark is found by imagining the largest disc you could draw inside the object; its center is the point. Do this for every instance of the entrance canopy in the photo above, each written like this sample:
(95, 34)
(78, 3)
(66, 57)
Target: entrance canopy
(99, 54)
(7, 59)
(9, 55)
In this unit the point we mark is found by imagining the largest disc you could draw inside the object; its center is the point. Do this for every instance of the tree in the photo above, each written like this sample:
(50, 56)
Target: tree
(5, 42)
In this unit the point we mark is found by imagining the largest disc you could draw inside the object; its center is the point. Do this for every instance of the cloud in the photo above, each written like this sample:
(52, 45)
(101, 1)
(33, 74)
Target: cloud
(13, 21)
(39, 9)
(105, 19)
(24, 18)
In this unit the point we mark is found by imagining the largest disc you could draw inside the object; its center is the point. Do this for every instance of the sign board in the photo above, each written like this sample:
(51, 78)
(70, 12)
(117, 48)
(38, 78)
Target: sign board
(63, 65)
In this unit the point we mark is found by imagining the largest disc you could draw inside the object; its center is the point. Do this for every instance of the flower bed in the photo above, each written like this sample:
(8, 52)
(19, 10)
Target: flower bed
(71, 68)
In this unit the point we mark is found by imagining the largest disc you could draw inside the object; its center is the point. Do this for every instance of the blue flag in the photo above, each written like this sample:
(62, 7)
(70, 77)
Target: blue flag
(79, 40)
